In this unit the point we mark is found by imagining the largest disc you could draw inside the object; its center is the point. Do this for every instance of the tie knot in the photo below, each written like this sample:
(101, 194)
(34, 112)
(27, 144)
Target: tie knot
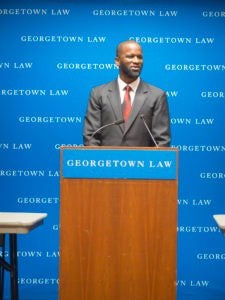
(128, 88)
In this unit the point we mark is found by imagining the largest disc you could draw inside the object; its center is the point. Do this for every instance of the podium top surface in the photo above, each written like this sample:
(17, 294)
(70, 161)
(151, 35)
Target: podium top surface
(18, 222)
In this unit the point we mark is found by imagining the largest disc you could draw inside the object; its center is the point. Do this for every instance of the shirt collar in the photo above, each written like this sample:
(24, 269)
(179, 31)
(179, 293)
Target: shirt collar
(134, 84)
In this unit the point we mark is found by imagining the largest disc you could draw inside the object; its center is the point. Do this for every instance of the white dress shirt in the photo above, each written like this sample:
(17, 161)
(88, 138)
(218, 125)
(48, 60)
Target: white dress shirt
(133, 85)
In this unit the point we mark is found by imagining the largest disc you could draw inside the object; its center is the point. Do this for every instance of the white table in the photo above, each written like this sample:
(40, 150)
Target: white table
(14, 223)
(220, 220)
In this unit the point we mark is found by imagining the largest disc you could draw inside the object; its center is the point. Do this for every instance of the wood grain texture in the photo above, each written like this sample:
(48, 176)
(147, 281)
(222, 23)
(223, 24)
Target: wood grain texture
(118, 239)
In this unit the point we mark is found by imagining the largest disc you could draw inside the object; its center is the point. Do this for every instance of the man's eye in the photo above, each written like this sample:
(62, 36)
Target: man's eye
(133, 56)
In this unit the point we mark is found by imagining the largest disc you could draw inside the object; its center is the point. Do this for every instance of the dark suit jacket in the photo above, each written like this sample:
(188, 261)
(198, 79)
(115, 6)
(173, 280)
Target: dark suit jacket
(104, 107)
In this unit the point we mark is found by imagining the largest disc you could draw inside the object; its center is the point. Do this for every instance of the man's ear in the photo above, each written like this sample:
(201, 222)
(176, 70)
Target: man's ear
(117, 61)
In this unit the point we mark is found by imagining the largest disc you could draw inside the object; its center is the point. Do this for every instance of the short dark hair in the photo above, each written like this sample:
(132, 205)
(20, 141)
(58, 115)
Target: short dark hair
(120, 46)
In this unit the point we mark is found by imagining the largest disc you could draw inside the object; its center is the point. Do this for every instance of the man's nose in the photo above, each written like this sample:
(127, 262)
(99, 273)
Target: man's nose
(135, 59)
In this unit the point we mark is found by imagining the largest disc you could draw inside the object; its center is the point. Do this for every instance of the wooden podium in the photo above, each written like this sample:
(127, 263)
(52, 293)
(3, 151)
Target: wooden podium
(118, 235)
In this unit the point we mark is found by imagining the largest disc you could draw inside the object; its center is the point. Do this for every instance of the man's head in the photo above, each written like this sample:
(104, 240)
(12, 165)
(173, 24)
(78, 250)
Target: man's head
(129, 59)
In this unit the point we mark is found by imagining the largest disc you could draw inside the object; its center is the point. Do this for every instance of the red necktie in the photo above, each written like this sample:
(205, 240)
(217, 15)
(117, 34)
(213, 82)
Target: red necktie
(126, 103)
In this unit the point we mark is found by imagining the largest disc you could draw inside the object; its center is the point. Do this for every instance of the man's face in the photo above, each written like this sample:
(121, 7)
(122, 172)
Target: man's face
(130, 61)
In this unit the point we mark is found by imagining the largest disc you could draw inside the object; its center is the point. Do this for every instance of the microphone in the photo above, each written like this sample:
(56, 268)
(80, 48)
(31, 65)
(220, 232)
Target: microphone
(117, 122)
(149, 131)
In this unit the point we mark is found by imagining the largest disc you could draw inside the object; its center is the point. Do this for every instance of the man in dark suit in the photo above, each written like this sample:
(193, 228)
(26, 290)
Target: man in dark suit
(147, 102)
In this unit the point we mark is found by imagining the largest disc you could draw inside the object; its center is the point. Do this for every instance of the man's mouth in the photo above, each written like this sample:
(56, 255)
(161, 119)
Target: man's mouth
(135, 68)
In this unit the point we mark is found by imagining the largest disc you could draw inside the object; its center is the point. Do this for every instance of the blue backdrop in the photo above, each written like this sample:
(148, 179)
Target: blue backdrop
(51, 54)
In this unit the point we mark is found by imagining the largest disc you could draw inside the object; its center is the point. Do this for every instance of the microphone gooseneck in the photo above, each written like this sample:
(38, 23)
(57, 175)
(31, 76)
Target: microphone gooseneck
(149, 131)
(117, 122)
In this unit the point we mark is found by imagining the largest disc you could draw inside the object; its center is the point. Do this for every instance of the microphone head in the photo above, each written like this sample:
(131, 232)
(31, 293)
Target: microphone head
(119, 122)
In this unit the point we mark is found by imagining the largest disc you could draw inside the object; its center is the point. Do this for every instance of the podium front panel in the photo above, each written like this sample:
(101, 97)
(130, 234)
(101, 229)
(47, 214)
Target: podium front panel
(118, 238)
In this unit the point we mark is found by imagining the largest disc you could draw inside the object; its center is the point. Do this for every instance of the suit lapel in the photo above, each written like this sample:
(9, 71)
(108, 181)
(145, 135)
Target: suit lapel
(140, 97)
(114, 99)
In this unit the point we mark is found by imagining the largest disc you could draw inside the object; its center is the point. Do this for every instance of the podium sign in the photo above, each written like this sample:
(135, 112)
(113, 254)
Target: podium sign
(117, 163)
(118, 223)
